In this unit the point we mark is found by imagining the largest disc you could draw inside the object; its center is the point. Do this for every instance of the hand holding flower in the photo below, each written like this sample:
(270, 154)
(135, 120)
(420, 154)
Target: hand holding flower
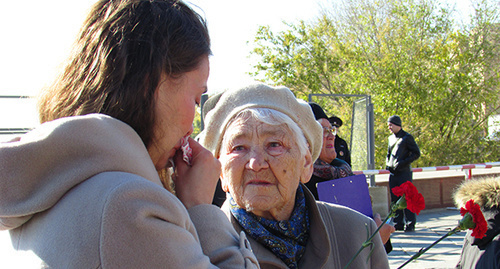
(386, 229)
(410, 198)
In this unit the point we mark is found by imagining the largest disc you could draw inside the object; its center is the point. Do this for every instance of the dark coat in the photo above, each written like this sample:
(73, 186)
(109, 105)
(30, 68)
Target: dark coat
(402, 151)
(342, 150)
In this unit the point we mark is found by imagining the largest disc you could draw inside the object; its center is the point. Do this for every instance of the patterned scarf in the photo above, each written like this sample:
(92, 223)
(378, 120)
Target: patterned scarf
(325, 170)
(287, 238)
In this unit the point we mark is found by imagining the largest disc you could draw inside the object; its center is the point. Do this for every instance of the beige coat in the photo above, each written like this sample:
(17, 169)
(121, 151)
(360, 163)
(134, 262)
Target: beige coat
(336, 234)
(82, 192)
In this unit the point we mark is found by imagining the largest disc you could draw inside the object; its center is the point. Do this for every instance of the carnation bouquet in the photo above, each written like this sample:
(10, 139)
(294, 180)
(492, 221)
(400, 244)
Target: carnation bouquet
(410, 198)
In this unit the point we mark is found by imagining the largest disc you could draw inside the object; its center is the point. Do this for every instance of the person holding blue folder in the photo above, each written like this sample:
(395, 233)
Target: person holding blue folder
(327, 166)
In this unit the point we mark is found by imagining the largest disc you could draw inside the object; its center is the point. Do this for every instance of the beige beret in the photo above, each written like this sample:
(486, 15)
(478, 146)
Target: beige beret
(260, 96)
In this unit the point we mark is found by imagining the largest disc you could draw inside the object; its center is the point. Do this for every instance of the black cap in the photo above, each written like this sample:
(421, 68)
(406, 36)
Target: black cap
(396, 120)
(318, 111)
(335, 121)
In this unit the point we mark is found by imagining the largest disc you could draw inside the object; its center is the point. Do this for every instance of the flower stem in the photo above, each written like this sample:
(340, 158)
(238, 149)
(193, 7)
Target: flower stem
(369, 240)
(423, 250)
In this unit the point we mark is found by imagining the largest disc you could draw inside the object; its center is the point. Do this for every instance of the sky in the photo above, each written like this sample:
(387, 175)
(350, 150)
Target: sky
(37, 37)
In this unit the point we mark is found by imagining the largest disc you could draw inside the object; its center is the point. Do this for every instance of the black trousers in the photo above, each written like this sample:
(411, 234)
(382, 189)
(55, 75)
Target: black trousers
(402, 216)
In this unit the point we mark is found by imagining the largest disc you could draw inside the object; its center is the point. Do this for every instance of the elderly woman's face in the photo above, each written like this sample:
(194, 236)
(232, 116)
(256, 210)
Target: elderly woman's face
(328, 153)
(262, 166)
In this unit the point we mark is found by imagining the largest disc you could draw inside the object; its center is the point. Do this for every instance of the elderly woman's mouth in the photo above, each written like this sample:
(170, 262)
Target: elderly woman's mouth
(259, 183)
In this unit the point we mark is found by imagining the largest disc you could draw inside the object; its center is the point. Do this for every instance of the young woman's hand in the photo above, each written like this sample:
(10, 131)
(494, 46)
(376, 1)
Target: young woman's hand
(195, 184)
(386, 230)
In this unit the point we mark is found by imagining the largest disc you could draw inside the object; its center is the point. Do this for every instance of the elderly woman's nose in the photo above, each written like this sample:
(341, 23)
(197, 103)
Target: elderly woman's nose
(257, 161)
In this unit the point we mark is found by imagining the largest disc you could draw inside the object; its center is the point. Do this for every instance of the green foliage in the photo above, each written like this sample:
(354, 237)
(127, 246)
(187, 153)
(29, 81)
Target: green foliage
(196, 124)
(412, 58)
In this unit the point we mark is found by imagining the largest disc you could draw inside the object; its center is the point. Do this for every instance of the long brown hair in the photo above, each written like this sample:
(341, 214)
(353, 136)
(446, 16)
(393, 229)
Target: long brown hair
(123, 48)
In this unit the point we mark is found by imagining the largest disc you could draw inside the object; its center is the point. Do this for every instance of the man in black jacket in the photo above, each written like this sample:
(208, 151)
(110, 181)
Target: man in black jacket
(403, 150)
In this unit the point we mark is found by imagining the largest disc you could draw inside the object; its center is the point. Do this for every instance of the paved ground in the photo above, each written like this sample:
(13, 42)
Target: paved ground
(431, 225)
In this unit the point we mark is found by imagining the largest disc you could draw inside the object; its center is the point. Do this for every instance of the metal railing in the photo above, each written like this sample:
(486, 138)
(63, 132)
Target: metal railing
(467, 168)
(5, 130)
(11, 131)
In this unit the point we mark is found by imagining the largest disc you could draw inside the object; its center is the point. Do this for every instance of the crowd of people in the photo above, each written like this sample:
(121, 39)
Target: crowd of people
(112, 179)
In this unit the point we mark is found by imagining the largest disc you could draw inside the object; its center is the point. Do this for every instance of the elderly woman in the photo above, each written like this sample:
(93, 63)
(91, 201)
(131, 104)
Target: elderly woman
(267, 141)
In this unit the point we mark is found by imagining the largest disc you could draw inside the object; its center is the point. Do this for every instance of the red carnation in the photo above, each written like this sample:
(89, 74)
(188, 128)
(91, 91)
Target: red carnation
(480, 226)
(414, 200)
(472, 218)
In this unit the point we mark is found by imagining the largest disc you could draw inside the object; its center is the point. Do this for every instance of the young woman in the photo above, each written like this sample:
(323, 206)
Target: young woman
(88, 188)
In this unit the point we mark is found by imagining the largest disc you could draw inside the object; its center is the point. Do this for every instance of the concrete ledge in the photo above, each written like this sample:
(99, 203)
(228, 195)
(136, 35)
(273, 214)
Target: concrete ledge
(380, 202)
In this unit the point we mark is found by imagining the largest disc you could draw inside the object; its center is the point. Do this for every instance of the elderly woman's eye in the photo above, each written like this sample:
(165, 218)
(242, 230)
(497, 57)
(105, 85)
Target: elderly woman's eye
(238, 148)
(275, 148)
(274, 144)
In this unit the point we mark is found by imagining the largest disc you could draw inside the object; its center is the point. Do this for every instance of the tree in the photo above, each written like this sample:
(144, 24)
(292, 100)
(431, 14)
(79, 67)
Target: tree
(196, 124)
(415, 61)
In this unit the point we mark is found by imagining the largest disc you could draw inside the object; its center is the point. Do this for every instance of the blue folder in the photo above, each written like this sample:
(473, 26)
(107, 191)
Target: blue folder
(350, 191)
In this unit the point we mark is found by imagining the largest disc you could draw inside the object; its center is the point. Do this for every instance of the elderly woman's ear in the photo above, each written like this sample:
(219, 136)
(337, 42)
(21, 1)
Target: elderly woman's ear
(308, 168)
(224, 184)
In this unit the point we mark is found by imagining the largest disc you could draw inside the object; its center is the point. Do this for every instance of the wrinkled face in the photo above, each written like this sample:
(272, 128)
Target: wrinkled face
(176, 100)
(328, 153)
(262, 167)
(393, 128)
